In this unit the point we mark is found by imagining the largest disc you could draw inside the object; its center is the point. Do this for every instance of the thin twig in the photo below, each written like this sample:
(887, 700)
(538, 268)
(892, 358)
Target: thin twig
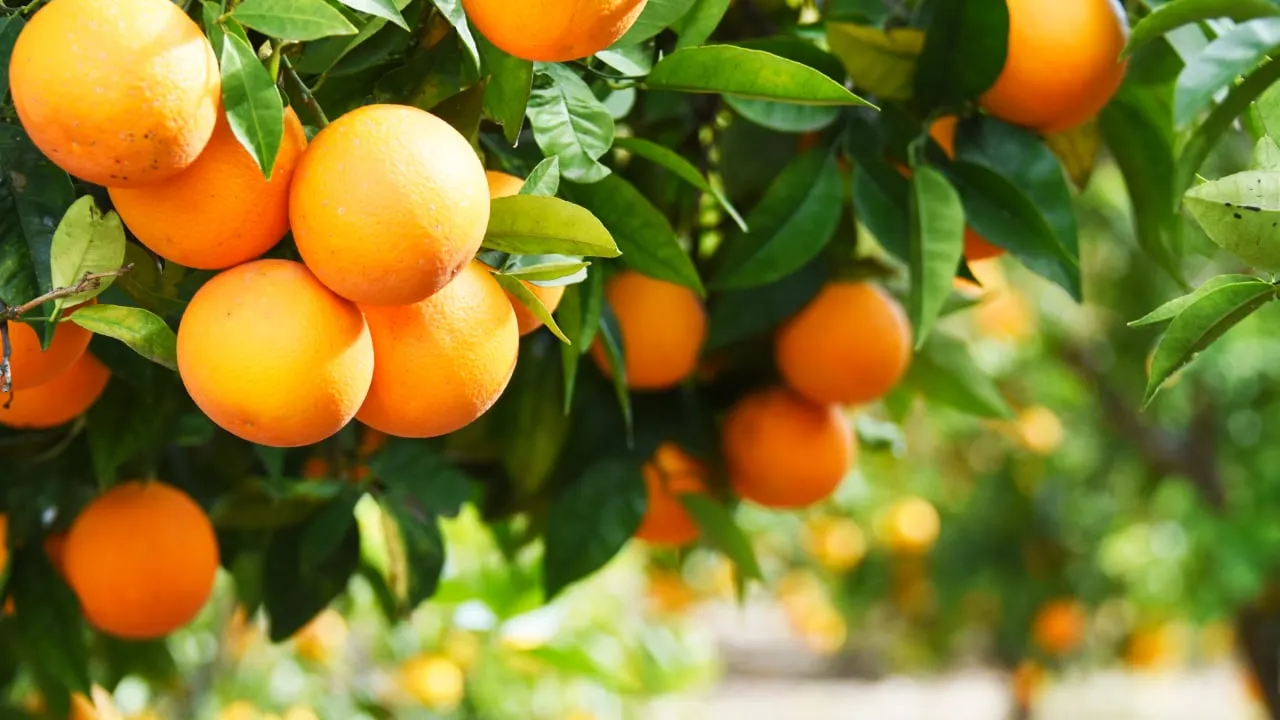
(91, 281)
(298, 91)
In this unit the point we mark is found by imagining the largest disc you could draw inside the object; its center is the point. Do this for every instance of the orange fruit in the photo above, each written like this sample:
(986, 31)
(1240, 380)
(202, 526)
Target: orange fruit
(58, 401)
(1028, 682)
(671, 472)
(910, 526)
(836, 543)
(1063, 64)
(142, 559)
(503, 185)
(850, 345)
(976, 247)
(273, 356)
(30, 366)
(121, 93)
(220, 211)
(465, 335)
(388, 204)
(553, 30)
(663, 326)
(435, 681)
(1059, 626)
(783, 451)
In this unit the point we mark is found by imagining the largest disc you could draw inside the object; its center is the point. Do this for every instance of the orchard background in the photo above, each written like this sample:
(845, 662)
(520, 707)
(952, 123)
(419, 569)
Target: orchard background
(435, 358)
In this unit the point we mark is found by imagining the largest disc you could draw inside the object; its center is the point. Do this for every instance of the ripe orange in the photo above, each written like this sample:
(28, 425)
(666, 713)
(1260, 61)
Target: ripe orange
(30, 366)
(1063, 63)
(442, 362)
(910, 526)
(122, 93)
(220, 211)
(850, 345)
(274, 357)
(1028, 682)
(976, 247)
(58, 401)
(503, 185)
(388, 204)
(663, 326)
(783, 451)
(670, 473)
(553, 30)
(435, 681)
(142, 559)
(1059, 626)
(836, 543)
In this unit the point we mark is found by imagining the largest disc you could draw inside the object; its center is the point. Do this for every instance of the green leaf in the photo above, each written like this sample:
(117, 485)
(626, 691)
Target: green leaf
(253, 106)
(517, 289)
(964, 51)
(294, 594)
(881, 201)
(1171, 309)
(86, 242)
(943, 371)
(657, 16)
(747, 73)
(1201, 323)
(1240, 213)
(130, 425)
(325, 531)
(737, 315)
(1175, 14)
(546, 270)
(1266, 155)
(784, 117)
(429, 78)
(610, 334)
(49, 628)
(293, 20)
(1230, 55)
(254, 505)
(795, 220)
(457, 17)
(385, 9)
(634, 60)
(579, 317)
(420, 544)
(506, 95)
(417, 476)
(643, 233)
(10, 27)
(722, 532)
(533, 225)
(569, 122)
(531, 415)
(544, 179)
(881, 62)
(700, 22)
(591, 519)
(42, 193)
(463, 111)
(1138, 130)
(272, 459)
(679, 166)
(141, 330)
(937, 244)
(1023, 160)
(1205, 137)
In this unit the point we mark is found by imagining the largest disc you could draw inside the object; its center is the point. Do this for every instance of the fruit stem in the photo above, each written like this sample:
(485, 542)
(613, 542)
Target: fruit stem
(273, 64)
(91, 281)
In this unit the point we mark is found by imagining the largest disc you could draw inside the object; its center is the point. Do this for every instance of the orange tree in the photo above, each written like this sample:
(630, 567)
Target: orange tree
(292, 230)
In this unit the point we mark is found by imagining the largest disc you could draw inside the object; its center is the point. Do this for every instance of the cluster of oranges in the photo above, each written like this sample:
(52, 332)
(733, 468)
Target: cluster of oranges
(785, 446)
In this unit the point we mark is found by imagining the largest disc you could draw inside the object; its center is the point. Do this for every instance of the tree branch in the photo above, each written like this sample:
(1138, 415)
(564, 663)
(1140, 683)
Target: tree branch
(91, 281)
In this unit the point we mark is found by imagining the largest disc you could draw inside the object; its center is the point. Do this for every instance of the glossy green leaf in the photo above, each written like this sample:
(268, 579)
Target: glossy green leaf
(1205, 137)
(656, 17)
(531, 415)
(518, 290)
(610, 334)
(632, 60)
(881, 62)
(569, 122)
(41, 193)
(645, 237)
(87, 242)
(429, 78)
(1266, 155)
(416, 475)
(700, 22)
(1230, 55)
(544, 179)
(1202, 322)
(1241, 214)
(385, 9)
(532, 225)
(254, 505)
(591, 519)
(144, 332)
(579, 318)
(747, 73)
(944, 372)
(880, 201)
(937, 244)
(737, 315)
(457, 17)
(293, 20)
(9, 28)
(719, 529)
(294, 594)
(1171, 309)
(964, 51)
(324, 531)
(1175, 14)
(784, 117)
(253, 106)
(420, 546)
(547, 270)
(506, 95)
(681, 167)
(794, 221)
